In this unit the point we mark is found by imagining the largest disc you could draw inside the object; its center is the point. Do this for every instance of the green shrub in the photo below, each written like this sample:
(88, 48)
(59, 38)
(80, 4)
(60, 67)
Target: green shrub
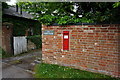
(0, 52)
(3, 54)
(36, 39)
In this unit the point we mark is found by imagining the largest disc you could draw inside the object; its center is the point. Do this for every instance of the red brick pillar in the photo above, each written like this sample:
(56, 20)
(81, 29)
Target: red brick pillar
(7, 37)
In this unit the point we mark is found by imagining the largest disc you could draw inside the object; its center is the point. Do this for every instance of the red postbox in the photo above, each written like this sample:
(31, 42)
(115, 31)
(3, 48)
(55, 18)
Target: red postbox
(65, 40)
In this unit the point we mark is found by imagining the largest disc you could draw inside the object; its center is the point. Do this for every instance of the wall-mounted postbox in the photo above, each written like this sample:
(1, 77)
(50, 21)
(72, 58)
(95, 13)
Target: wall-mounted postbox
(65, 40)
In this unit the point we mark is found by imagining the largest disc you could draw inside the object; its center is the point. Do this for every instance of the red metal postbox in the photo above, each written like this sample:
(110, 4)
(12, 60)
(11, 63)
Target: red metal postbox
(65, 40)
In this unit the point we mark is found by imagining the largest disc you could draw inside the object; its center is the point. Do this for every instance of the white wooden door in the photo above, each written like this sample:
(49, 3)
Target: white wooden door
(20, 45)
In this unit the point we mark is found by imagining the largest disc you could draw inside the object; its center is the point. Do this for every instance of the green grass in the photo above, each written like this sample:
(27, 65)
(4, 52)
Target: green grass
(44, 70)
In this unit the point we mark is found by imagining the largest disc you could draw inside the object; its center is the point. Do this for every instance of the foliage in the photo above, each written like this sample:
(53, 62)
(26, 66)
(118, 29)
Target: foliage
(117, 4)
(4, 6)
(36, 39)
(44, 70)
(69, 12)
(21, 25)
(3, 54)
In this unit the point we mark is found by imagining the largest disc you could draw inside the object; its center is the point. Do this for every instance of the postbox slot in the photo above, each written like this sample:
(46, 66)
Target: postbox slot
(65, 36)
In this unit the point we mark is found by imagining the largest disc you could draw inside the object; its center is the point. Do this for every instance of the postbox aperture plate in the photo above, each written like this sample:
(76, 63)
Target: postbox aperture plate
(65, 36)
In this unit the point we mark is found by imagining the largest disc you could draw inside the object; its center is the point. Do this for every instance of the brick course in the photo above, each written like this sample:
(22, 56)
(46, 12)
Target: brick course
(93, 48)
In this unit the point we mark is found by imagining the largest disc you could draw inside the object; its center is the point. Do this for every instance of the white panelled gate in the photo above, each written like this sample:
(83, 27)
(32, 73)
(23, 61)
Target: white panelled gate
(20, 44)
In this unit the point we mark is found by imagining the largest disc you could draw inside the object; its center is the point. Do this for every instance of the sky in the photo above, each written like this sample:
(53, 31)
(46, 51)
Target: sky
(11, 2)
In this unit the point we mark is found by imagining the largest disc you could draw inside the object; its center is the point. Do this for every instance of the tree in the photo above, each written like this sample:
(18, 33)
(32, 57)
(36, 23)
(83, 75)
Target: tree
(117, 4)
(70, 12)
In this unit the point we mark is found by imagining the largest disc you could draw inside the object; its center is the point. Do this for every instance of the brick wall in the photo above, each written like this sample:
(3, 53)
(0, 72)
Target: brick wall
(93, 48)
(7, 34)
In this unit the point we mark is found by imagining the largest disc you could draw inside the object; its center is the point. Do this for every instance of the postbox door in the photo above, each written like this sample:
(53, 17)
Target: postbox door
(65, 40)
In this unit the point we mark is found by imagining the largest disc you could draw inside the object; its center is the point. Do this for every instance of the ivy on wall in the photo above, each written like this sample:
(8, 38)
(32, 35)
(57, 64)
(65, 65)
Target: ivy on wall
(20, 25)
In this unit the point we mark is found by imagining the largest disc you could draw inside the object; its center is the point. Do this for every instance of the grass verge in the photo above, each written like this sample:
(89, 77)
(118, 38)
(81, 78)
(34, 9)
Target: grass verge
(44, 70)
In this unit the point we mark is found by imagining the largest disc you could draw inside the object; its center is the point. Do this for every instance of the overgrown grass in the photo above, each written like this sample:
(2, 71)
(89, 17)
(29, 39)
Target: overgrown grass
(3, 54)
(0, 52)
(44, 70)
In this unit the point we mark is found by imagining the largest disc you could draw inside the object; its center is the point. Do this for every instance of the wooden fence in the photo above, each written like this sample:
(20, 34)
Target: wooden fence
(20, 44)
